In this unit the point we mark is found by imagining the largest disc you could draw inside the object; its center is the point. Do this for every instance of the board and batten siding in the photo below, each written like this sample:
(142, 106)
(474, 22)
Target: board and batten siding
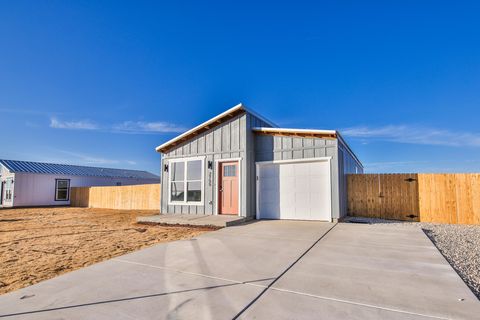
(224, 141)
(231, 139)
(276, 147)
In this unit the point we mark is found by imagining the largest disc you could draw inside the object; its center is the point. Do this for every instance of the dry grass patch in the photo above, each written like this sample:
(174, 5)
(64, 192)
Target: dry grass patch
(40, 243)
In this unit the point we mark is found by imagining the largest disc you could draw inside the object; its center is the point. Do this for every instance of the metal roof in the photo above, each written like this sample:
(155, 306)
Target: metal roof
(15, 166)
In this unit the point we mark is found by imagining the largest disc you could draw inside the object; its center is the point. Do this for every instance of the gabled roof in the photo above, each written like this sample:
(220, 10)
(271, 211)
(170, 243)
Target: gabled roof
(207, 125)
(16, 166)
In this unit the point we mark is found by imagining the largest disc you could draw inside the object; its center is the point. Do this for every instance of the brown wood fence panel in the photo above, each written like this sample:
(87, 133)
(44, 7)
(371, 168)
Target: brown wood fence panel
(387, 196)
(79, 197)
(136, 197)
(438, 198)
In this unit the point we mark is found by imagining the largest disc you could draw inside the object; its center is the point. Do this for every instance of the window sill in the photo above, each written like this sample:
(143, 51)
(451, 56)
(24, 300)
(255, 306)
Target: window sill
(176, 203)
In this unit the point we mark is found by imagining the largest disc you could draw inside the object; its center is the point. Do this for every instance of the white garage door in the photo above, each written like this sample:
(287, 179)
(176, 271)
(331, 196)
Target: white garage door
(294, 190)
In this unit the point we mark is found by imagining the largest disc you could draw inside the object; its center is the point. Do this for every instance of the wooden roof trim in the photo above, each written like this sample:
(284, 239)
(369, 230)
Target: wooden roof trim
(301, 135)
(309, 133)
(213, 122)
(206, 127)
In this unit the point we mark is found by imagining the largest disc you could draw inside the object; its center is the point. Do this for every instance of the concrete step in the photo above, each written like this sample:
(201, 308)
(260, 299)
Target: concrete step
(194, 220)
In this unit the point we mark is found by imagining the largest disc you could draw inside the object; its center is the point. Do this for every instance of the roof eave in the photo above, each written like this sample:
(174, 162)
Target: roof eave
(237, 107)
(291, 130)
(204, 124)
(5, 165)
(349, 149)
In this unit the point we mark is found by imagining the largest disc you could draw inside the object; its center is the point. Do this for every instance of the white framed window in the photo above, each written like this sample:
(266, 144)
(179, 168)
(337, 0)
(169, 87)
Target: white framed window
(186, 179)
(62, 189)
(8, 190)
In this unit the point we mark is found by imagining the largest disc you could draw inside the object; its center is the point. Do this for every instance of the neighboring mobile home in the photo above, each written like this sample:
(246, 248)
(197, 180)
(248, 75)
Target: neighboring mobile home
(24, 183)
(240, 163)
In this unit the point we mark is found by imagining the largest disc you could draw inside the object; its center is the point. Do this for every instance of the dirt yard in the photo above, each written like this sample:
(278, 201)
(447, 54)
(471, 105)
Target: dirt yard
(40, 243)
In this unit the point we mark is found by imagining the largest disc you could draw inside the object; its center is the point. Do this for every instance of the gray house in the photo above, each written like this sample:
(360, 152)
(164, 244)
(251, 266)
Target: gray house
(239, 163)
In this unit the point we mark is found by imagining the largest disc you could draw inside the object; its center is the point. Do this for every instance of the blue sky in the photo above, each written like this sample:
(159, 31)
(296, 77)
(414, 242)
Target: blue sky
(102, 83)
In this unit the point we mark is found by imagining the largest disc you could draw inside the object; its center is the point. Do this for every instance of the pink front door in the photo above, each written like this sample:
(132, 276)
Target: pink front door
(228, 188)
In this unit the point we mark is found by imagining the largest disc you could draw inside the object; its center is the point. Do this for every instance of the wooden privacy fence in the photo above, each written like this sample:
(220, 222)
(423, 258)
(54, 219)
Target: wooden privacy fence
(441, 198)
(139, 197)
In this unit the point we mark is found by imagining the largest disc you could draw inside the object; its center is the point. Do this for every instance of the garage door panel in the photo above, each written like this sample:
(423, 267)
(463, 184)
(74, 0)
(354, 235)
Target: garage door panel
(317, 184)
(269, 171)
(286, 171)
(287, 184)
(302, 184)
(287, 205)
(302, 198)
(301, 169)
(269, 184)
(302, 206)
(270, 196)
(295, 191)
(271, 211)
(287, 213)
(287, 201)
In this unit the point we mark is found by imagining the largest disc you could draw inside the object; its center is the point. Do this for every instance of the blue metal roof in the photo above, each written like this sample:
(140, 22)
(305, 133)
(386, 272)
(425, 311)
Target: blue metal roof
(15, 166)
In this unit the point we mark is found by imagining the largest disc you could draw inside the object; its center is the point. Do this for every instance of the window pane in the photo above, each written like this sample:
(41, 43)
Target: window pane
(178, 171)
(194, 191)
(194, 170)
(62, 194)
(230, 171)
(62, 184)
(177, 191)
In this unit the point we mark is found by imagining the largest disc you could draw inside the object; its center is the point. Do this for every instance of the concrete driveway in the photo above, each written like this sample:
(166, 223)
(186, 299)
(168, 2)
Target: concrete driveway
(262, 270)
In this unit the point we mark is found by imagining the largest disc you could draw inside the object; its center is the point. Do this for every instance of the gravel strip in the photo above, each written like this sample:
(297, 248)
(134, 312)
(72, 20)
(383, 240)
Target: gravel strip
(459, 244)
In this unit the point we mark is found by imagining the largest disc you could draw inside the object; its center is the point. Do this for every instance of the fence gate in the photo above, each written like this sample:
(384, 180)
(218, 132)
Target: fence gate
(387, 196)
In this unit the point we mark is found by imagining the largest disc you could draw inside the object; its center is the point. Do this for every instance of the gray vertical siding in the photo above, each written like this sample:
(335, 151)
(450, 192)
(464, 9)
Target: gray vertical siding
(347, 163)
(227, 140)
(270, 148)
(249, 189)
